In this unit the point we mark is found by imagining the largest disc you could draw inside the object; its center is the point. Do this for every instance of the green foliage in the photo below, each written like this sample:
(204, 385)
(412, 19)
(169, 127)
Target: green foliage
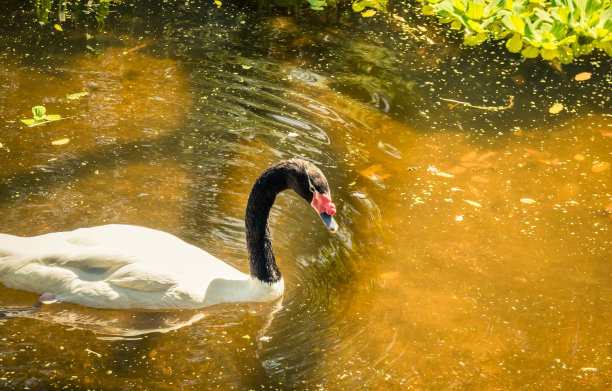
(40, 116)
(61, 10)
(360, 5)
(357, 5)
(320, 4)
(553, 29)
(39, 112)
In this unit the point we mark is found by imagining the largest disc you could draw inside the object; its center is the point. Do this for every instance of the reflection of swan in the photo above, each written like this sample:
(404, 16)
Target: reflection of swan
(123, 266)
(118, 325)
(15, 312)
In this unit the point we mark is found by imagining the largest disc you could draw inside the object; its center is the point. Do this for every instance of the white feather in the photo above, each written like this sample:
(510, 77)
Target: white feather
(125, 266)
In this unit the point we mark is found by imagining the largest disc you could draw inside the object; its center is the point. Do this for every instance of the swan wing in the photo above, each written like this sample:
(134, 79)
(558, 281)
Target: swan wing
(108, 259)
(142, 277)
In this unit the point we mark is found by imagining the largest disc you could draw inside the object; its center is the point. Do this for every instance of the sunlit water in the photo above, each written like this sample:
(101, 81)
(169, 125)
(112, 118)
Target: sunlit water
(474, 249)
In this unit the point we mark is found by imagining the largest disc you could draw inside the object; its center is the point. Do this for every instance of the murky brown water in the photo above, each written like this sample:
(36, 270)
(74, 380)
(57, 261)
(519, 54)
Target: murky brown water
(474, 250)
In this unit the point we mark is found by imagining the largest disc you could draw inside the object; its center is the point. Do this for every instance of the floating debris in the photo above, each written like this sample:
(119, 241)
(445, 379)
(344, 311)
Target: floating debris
(61, 141)
(556, 108)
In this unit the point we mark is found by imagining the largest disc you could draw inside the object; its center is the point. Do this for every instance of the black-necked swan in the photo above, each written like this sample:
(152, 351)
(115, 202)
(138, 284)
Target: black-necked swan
(126, 266)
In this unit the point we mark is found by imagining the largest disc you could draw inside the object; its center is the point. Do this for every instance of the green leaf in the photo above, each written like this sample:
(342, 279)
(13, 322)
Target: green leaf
(78, 95)
(357, 6)
(549, 54)
(530, 52)
(459, 5)
(28, 122)
(518, 24)
(606, 47)
(475, 39)
(514, 44)
(426, 10)
(543, 15)
(53, 117)
(39, 112)
(474, 11)
(475, 26)
(565, 55)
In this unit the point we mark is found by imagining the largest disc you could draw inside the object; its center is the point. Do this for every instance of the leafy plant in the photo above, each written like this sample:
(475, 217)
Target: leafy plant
(360, 5)
(357, 5)
(40, 116)
(72, 9)
(552, 29)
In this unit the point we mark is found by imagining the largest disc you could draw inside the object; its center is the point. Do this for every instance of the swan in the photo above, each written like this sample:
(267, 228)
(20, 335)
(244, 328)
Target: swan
(132, 267)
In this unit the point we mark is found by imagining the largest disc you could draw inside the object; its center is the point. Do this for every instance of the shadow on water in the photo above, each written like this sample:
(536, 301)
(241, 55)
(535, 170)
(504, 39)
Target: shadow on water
(64, 170)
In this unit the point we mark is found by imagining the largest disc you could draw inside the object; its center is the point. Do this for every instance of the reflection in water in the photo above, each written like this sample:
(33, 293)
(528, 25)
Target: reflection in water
(472, 257)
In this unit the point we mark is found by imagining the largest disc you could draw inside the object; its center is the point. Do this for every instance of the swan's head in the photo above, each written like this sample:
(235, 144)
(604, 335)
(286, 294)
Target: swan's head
(311, 184)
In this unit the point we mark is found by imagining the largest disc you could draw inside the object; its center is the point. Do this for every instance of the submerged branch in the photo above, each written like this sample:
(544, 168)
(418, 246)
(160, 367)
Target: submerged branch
(490, 108)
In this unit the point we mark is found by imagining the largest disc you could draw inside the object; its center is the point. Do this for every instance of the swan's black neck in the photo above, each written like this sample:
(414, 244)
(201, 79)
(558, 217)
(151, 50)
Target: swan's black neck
(279, 177)
(268, 185)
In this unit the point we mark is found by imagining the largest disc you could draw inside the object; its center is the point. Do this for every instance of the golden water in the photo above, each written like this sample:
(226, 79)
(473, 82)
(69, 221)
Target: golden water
(466, 259)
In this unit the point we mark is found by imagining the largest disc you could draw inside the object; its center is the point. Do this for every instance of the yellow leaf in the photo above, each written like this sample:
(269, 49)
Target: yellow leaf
(218, 3)
(61, 141)
(58, 27)
(368, 13)
(374, 173)
(397, 17)
(583, 76)
(556, 108)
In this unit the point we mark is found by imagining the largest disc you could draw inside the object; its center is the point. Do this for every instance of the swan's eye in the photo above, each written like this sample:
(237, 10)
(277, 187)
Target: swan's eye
(311, 186)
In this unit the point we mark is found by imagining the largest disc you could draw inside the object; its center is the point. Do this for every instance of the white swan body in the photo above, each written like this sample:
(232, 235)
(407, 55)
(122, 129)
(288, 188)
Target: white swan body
(125, 266)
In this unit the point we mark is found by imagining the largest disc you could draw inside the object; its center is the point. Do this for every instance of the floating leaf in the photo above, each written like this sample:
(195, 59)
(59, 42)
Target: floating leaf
(437, 172)
(39, 112)
(556, 108)
(246, 336)
(473, 203)
(583, 76)
(528, 201)
(530, 52)
(374, 173)
(76, 95)
(598, 167)
(218, 3)
(28, 122)
(368, 13)
(514, 44)
(52, 117)
(61, 141)
(58, 27)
